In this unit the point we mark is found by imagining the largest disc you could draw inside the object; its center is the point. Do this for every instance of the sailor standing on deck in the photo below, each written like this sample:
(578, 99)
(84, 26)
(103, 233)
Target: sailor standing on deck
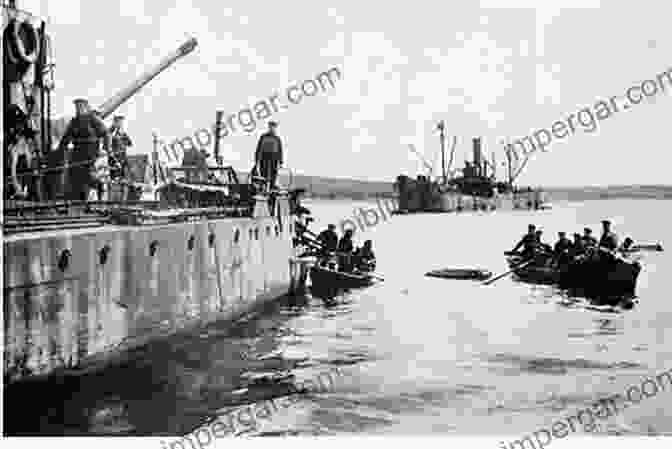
(119, 141)
(268, 156)
(84, 131)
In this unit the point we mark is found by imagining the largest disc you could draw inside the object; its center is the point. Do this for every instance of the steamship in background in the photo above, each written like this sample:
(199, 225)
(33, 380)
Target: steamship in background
(84, 281)
(475, 189)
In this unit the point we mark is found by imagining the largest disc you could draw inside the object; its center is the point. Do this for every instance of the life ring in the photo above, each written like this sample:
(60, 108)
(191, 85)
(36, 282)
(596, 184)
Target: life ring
(21, 148)
(19, 46)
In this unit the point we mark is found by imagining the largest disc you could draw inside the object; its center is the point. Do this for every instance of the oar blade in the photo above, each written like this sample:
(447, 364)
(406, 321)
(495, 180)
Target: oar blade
(496, 278)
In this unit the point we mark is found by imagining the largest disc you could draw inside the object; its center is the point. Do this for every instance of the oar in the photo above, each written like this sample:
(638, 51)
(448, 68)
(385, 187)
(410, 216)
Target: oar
(376, 276)
(647, 247)
(520, 265)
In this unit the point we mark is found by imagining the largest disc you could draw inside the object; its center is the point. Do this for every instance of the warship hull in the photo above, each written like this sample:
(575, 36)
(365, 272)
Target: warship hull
(416, 197)
(76, 300)
(475, 190)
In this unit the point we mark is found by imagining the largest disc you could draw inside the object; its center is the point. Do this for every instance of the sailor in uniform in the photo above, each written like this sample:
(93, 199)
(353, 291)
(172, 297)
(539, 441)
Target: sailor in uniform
(84, 132)
(268, 156)
(119, 141)
(609, 239)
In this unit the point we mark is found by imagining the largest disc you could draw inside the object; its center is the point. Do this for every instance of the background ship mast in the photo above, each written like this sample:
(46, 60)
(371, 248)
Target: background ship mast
(218, 126)
(514, 172)
(445, 169)
(441, 126)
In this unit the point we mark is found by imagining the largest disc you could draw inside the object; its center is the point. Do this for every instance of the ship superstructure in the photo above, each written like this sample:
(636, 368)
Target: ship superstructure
(474, 187)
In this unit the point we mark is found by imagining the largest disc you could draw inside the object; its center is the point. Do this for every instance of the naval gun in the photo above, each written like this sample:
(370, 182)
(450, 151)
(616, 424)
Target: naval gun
(109, 106)
(120, 97)
(58, 127)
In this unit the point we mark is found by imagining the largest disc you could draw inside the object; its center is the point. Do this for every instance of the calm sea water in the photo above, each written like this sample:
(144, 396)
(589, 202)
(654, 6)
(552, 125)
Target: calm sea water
(419, 355)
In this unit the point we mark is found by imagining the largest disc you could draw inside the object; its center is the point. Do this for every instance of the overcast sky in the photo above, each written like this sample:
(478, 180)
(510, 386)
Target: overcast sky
(501, 69)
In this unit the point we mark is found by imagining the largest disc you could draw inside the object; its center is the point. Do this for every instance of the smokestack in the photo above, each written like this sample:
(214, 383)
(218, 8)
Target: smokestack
(477, 155)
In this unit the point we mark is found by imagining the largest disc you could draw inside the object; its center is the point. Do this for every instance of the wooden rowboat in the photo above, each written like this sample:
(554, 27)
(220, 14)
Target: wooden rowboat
(460, 273)
(539, 272)
(600, 277)
(325, 278)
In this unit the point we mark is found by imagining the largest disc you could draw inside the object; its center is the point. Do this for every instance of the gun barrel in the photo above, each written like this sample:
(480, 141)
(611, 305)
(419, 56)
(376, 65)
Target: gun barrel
(124, 94)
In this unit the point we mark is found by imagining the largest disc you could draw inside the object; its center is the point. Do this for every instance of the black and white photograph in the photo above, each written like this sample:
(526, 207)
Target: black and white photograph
(336, 223)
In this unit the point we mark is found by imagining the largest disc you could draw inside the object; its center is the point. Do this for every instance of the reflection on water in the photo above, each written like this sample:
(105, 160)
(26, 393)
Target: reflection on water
(421, 355)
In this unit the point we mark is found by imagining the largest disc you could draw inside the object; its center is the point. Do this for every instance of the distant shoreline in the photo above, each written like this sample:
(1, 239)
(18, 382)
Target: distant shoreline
(609, 192)
(553, 194)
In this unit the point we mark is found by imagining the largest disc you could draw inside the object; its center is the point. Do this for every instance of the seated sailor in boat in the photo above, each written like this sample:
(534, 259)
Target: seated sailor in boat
(588, 239)
(578, 248)
(609, 239)
(365, 259)
(528, 242)
(562, 248)
(541, 246)
(329, 239)
(345, 249)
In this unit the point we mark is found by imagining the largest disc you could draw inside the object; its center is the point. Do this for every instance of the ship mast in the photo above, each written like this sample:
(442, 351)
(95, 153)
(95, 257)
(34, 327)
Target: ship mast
(441, 127)
(218, 126)
(509, 166)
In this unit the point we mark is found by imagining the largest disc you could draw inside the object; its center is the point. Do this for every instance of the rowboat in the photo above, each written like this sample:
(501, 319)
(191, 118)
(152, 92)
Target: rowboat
(540, 271)
(326, 278)
(460, 273)
(602, 276)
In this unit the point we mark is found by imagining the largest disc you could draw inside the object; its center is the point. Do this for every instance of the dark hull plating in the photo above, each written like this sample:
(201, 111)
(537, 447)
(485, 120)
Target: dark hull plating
(65, 312)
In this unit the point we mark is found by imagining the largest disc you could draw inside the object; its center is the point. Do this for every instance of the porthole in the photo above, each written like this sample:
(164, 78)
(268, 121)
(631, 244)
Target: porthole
(256, 233)
(236, 236)
(251, 234)
(211, 240)
(103, 254)
(153, 247)
(190, 243)
(64, 260)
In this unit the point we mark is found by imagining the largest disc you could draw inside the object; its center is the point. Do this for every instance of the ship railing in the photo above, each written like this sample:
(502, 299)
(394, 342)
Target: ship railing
(205, 175)
(88, 214)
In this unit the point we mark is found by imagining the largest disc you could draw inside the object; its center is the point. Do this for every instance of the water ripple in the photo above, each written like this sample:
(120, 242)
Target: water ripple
(548, 365)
